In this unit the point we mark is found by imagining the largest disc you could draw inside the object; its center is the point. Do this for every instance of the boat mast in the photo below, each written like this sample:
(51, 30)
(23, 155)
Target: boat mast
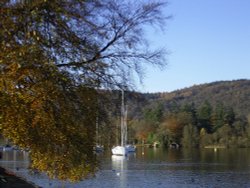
(123, 124)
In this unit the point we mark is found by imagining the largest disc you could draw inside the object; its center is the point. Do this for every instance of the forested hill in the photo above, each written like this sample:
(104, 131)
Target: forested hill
(198, 116)
(235, 94)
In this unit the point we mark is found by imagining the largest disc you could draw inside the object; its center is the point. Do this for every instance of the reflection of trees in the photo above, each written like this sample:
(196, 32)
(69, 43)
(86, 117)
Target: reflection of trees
(174, 155)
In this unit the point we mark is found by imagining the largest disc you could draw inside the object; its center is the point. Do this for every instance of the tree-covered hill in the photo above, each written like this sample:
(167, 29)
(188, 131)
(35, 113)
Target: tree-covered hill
(235, 94)
(198, 116)
(213, 113)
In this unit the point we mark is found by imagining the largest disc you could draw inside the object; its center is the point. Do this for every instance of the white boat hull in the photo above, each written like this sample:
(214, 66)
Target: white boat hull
(120, 150)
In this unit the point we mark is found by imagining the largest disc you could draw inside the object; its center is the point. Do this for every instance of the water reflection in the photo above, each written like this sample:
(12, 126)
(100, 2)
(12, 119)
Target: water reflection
(15, 160)
(119, 167)
(156, 168)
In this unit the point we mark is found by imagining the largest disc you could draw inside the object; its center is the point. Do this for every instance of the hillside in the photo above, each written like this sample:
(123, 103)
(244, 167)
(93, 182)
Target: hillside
(234, 94)
(201, 115)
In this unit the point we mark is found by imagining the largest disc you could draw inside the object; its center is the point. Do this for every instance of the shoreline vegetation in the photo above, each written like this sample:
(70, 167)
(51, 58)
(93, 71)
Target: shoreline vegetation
(205, 147)
(215, 147)
(217, 113)
(203, 116)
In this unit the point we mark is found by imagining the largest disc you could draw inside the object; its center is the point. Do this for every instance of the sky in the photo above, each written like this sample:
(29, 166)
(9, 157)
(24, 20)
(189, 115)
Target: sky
(207, 41)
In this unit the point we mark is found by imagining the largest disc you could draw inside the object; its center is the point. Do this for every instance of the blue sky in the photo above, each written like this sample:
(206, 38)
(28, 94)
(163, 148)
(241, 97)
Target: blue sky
(208, 40)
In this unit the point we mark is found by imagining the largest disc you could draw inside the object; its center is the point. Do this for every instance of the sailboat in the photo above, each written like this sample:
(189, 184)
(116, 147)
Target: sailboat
(123, 149)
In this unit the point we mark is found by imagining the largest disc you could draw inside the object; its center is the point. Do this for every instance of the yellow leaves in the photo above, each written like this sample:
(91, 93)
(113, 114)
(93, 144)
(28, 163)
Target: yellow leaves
(54, 122)
(61, 166)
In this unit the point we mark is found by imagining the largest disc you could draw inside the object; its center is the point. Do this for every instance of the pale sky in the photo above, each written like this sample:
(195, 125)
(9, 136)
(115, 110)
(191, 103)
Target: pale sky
(208, 40)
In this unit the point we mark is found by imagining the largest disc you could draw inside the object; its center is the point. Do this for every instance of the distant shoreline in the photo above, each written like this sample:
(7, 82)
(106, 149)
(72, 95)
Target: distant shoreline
(215, 147)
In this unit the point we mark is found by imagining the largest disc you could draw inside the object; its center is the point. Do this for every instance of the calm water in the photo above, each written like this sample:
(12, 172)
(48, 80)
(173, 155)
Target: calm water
(150, 167)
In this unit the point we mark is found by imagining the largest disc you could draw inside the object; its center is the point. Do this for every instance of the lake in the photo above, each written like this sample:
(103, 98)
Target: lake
(154, 167)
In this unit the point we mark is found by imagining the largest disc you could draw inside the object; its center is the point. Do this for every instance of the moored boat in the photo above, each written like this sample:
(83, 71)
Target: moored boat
(123, 149)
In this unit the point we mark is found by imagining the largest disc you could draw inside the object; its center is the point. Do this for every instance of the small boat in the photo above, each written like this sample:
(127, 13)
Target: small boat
(99, 148)
(174, 145)
(7, 147)
(131, 148)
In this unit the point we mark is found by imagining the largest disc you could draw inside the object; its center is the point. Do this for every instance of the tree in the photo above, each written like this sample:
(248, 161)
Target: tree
(171, 129)
(190, 136)
(218, 117)
(52, 118)
(190, 109)
(100, 42)
(53, 57)
(229, 116)
(204, 115)
(154, 115)
(142, 129)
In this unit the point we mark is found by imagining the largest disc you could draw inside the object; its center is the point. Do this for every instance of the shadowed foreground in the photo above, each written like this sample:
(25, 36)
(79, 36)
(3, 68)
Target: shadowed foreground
(9, 180)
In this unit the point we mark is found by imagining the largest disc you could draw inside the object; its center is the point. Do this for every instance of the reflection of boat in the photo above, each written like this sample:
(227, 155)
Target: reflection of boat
(118, 158)
(119, 167)
(123, 149)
